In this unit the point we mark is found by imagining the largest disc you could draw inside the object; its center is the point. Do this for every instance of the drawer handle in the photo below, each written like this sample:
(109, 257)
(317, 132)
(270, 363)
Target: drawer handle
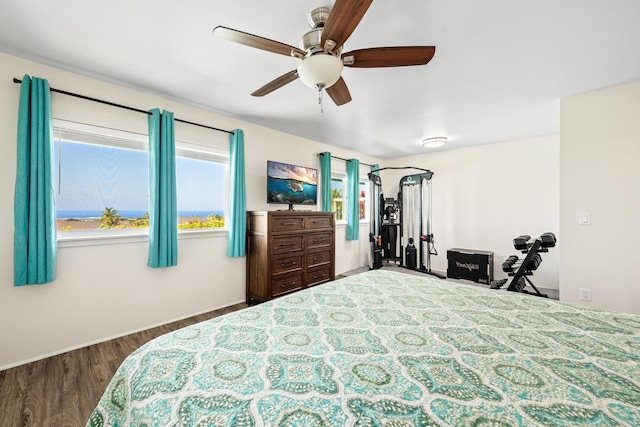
(288, 223)
(284, 264)
(287, 244)
(319, 277)
(319, 240)
(286, 285)
(315, 258)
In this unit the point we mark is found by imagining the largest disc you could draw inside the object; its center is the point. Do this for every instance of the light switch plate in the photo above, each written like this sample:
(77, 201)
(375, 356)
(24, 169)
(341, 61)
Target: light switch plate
(584, 218)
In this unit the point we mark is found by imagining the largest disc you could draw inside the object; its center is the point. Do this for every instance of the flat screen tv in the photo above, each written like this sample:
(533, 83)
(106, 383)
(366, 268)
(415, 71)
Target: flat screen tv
(291, 185)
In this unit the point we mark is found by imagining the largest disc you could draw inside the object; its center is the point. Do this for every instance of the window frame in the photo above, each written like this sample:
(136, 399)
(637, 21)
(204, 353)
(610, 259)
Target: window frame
(140, 141)
(363, 180)
(342, 177)
(212, 153)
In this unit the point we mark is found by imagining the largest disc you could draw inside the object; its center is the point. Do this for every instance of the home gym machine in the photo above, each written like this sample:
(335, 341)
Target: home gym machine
(521, 270)
(400, 229)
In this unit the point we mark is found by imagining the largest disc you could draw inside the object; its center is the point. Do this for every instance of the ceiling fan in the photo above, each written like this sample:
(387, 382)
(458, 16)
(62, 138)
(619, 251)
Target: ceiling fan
(321, 54)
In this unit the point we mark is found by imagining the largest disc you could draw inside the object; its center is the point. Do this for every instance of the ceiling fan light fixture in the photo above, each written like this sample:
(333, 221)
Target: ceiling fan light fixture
(320, 70)
(436, 141)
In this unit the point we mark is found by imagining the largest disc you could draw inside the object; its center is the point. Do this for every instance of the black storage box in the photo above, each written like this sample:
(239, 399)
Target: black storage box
(470, 265)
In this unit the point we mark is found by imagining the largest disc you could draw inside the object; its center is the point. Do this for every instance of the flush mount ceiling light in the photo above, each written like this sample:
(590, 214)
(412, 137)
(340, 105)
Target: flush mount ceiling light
(436, 141)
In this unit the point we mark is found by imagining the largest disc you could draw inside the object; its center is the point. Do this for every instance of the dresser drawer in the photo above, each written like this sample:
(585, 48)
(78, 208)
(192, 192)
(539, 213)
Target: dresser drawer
(316, 222)
(318, 275)
(286, 263)
(287, 223)
(317, 258)
(316, 240)
(282, 244)
(283, 284)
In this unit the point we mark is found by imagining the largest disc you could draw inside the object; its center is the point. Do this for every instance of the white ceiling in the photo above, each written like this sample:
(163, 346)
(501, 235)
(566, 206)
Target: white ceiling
(500, 68)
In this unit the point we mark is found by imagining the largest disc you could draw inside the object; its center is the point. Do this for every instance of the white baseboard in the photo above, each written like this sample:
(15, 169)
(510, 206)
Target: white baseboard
(101, 340)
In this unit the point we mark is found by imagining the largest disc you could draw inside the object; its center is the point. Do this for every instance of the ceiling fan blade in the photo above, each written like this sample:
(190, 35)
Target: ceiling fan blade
(256, 41)
(339, 92)
(276, 84)
(401, 56)
(344, 18)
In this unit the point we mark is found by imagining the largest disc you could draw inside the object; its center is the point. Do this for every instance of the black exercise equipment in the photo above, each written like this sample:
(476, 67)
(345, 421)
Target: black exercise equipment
(548, 240)
(521, 270)
(411, 255)
(521, 243)
(375, 234)
(405, 219)
(470, 264)
(390, 234)
(415, 215)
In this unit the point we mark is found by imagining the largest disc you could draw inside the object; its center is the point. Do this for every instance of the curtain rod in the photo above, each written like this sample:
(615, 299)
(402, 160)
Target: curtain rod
(403, 167)
(346, 160)
(126, 107)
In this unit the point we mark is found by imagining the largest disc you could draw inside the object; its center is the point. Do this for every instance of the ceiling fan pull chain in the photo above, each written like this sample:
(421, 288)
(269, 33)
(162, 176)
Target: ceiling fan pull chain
(321, 101)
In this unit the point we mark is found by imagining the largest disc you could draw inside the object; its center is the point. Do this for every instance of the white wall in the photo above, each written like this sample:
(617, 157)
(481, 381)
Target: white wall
(599, 174)
(485, 196)
(107, 291)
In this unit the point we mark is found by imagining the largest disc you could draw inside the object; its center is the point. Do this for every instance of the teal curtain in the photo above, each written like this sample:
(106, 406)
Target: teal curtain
(163, 216)
(374, 169)
(34, 239)
(325, 181)
(353, 199)
(237, 196)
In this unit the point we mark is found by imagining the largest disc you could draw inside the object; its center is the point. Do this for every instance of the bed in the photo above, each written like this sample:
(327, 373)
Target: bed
(384, 348)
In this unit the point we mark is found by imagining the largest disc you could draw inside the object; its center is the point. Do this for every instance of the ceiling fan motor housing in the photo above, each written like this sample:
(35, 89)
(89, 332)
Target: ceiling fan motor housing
(311, 41)
(318, 16)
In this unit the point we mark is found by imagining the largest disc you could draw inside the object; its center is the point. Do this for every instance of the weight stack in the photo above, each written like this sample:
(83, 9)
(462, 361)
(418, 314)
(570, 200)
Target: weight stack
(411, 257)
(377, 258)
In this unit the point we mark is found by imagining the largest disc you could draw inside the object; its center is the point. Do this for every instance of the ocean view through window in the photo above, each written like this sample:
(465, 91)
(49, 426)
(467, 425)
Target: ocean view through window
(102, 181)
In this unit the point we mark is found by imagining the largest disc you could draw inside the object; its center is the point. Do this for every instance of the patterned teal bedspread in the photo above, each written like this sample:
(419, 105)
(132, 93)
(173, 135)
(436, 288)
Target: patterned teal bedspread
(387, 349)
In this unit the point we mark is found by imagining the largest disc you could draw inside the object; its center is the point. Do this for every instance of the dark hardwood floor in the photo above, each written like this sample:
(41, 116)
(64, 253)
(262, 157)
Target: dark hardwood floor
(63, 390)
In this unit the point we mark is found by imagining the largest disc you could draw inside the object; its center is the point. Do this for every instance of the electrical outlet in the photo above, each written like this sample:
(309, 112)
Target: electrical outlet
(585, 294)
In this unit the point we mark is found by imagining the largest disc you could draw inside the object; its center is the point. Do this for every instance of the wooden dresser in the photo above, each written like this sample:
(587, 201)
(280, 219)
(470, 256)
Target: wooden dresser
(288, 251)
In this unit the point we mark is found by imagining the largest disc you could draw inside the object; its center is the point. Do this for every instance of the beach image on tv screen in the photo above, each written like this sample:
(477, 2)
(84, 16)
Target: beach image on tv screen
(291, 184)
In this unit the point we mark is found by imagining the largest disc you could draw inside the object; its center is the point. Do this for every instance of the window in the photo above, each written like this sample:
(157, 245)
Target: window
(102, 182)
(338, 189)
(201, 187)
(364, 199)
(339, 197)
(101, 178)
